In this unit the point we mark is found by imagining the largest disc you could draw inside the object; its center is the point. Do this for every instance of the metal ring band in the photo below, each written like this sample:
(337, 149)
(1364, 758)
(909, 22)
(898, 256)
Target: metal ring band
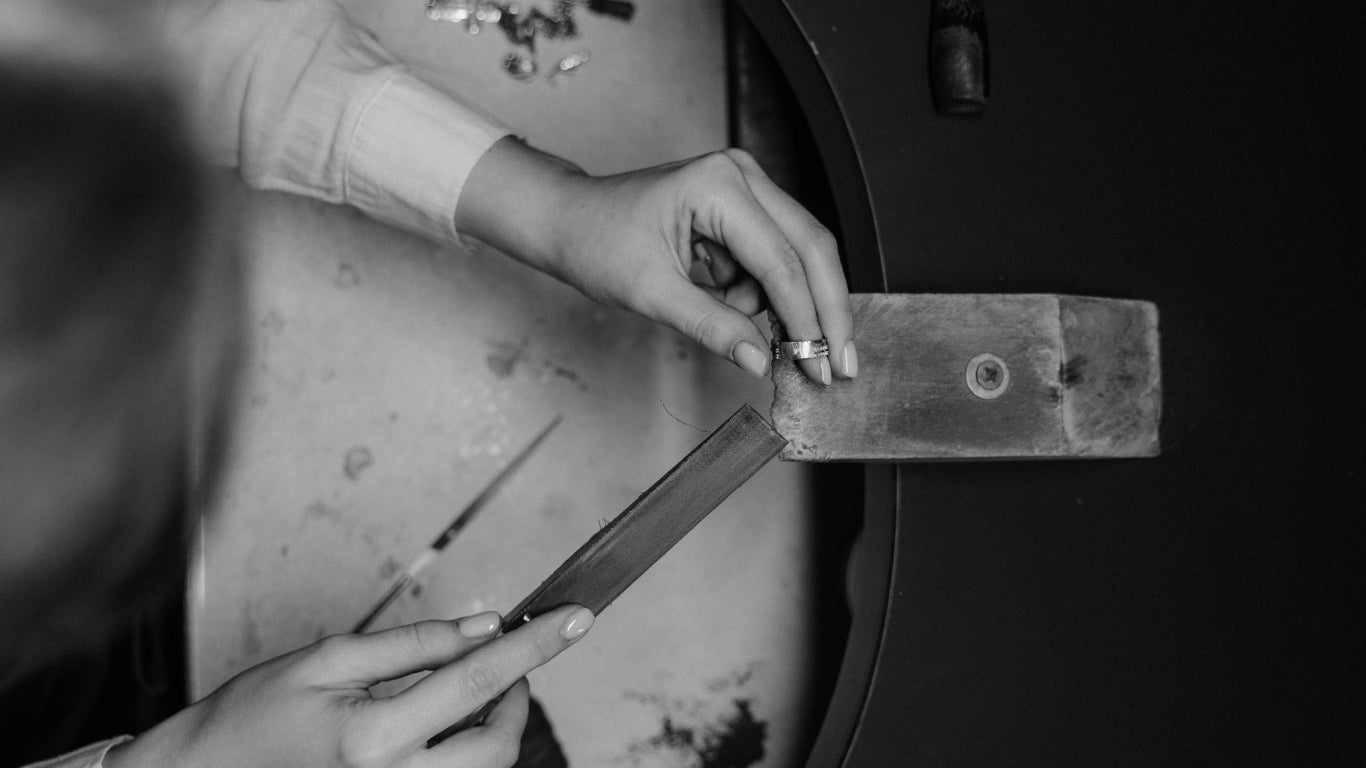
(800, 350)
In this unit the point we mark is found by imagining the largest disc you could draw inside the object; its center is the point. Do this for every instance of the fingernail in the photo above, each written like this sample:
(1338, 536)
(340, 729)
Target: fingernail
(577, 624)
(751, 358)
(479, 625)
(825, 371)
(850, 359)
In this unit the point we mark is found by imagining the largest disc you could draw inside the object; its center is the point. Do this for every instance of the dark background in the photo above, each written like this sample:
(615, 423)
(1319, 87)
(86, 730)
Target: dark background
(1189, 609)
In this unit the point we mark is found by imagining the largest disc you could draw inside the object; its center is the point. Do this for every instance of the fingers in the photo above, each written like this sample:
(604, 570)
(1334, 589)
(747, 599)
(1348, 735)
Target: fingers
(745, 296)
(815, 246)
(731, 284)
(509, 717)
(494, 743)
(703, 315)
(731, 215)
(452, 692)
(364, 660)
(720, 264)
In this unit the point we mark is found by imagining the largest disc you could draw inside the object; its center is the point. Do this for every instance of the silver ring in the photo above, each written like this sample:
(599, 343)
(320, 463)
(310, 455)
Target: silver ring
(800, 350)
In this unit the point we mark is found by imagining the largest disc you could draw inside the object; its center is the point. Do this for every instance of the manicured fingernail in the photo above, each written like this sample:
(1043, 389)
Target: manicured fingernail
(751, 358)
(850, 359)
(480, 624)
(825, 371)
(577, 624)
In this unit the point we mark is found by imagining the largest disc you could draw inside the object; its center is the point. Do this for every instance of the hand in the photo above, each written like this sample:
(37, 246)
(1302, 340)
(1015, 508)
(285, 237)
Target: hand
(631, 240)
(313, 708)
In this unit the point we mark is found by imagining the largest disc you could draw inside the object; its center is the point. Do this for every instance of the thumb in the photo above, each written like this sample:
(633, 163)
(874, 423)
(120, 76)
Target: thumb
(715, 325)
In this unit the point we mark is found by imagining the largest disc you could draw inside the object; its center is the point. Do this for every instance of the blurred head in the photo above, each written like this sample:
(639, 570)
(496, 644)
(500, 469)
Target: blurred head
(118, 313)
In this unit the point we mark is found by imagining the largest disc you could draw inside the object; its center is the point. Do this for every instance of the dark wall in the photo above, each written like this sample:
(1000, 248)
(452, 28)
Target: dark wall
(1187, 609)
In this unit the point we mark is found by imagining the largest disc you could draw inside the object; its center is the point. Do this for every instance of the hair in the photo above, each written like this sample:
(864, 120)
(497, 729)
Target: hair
(115, 291)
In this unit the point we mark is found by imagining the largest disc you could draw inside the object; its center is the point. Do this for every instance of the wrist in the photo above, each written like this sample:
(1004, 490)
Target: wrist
(516, 199)
(163, 744)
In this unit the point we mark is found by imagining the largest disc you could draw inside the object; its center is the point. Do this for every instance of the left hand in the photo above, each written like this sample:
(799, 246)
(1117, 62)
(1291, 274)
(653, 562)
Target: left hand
(313, 708)
(630, 241)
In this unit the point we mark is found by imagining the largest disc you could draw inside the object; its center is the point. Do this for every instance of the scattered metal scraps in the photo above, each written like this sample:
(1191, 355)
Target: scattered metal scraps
(703, 734)
(569, 64)
(523, 23)
(520, 67)
(473, 15)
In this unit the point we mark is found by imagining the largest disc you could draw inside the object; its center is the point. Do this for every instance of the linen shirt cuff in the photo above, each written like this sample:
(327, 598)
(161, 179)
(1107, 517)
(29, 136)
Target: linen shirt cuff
(86, 757)
(412, 150)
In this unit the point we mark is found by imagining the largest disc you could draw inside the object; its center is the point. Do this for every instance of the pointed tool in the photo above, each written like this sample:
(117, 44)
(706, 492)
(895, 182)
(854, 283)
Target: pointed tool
(461, 520)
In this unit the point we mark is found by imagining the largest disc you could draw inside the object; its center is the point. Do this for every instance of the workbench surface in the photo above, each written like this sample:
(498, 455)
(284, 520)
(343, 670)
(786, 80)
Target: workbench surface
(389, 379)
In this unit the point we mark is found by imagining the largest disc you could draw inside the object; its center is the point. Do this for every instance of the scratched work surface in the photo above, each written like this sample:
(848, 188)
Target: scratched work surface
(389, 379)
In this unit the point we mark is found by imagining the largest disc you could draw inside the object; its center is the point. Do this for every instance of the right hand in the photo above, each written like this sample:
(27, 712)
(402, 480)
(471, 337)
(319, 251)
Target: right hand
(313, 708)
(631, 240)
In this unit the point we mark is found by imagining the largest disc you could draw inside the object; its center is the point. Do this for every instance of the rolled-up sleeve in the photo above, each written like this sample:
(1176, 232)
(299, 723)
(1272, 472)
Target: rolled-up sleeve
(300, 100)
(88, 757)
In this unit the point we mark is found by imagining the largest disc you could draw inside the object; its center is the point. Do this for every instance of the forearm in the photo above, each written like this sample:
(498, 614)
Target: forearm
(302, 101)
(520, 200)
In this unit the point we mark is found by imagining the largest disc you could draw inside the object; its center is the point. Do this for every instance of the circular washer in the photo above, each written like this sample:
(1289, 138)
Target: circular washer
(982, 371)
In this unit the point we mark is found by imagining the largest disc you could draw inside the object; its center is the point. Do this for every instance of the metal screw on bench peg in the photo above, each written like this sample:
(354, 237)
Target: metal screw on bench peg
(987, 376)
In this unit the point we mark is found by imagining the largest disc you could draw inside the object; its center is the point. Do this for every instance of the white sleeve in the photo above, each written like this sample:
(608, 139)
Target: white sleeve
(88, 757)
(300, 100)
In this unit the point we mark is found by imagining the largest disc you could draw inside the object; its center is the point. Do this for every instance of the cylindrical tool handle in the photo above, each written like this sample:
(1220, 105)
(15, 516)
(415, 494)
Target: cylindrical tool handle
(959, 75)
(618, 8)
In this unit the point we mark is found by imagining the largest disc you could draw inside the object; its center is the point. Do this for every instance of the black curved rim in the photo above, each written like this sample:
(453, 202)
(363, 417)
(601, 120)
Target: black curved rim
(872, 577)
